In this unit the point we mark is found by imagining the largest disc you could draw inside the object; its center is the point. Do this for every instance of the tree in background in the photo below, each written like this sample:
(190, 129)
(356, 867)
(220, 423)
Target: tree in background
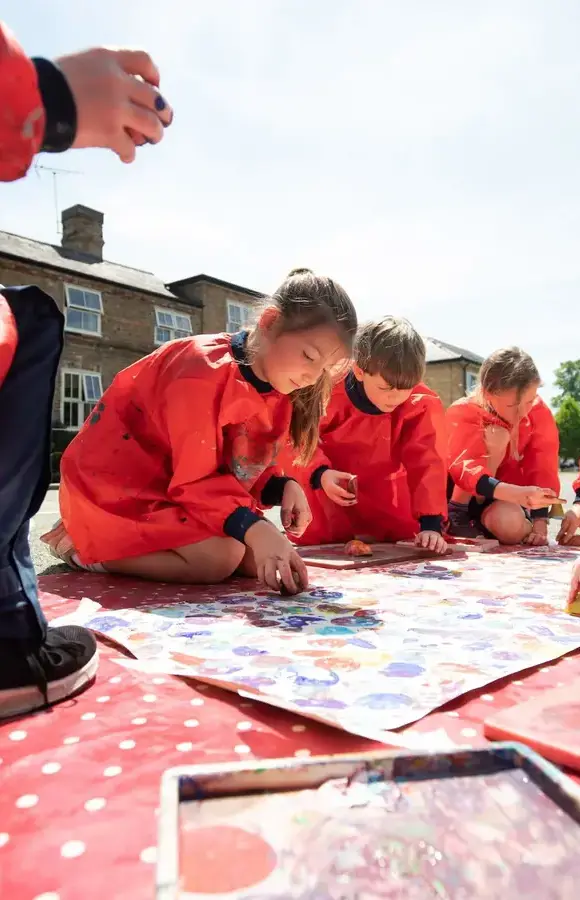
(568, 421)
(568, 380)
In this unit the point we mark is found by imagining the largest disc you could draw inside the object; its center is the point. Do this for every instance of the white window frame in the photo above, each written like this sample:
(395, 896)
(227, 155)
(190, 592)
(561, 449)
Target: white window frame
(241, 324)
(174, 331)
(80, 402)
(470, 381)
(98, 313)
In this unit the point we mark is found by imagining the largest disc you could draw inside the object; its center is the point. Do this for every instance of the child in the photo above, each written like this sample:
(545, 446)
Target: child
(386, 427)
(501, 440)
(571, 522)
(164, 478)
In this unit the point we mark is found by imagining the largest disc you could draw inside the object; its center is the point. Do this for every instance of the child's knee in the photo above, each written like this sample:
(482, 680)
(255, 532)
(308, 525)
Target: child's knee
(506, 521)
(220, 558)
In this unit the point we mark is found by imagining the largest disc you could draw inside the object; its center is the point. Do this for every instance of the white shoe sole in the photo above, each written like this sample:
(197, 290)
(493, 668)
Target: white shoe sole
(19, 701)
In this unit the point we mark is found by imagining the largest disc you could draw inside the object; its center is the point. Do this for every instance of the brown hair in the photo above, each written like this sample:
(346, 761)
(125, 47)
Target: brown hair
(393, 349)
(506, 370)
(305, 300)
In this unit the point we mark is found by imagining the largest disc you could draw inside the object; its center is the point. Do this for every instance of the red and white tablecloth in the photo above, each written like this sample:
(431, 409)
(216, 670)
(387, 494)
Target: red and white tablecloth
(79, 785)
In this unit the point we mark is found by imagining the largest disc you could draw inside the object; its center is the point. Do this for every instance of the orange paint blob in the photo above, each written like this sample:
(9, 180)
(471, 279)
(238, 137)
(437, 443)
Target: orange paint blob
(221, 859)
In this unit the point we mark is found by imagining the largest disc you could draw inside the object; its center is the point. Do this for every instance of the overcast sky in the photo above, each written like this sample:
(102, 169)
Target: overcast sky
(426, 153)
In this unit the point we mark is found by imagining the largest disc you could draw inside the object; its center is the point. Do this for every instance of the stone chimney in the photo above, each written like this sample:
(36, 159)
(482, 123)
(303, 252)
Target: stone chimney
(82, 230)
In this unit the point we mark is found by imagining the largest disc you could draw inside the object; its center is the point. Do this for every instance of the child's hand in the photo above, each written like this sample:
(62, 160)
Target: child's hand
(538, 536)
(277, 562)
(531, 497)
(431, 540)
(574, 584)
(332, 487)
(570, 525)
(295, 513)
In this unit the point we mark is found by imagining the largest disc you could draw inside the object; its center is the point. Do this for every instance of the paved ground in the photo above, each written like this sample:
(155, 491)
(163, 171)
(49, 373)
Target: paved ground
(45, 563)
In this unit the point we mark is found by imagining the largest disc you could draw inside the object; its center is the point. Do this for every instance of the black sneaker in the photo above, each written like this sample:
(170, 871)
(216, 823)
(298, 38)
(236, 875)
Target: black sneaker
(461, 525)
(31, 678)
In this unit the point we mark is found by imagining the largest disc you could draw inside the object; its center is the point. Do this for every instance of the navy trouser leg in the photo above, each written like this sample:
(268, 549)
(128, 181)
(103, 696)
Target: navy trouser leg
(25, 422)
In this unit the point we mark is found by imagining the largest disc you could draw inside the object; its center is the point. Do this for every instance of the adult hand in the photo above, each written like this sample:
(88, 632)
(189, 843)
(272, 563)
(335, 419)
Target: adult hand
(277, 562)
(117, 99)
(295, 511)
(332, 487)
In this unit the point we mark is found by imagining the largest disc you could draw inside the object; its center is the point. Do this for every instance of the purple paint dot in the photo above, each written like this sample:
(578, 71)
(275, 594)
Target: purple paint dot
(384, 701)
(320, 704)
(249, 651)
(403, 670)
(106, 623)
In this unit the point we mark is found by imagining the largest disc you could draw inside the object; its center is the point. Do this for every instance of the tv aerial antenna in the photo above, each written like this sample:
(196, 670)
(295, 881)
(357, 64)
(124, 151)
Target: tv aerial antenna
(56, 174)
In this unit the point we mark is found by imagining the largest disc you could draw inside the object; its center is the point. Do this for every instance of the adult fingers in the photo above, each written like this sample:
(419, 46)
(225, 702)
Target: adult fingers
(138, 139)
(123, 146)
(145, 122)
(138, 62)
(144, 94)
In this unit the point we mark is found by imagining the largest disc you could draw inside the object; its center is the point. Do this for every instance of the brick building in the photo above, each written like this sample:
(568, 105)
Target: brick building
(115, 315)
(451, 371)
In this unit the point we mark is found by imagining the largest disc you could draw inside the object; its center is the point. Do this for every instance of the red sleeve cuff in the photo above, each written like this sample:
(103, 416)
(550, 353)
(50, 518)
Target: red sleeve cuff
(22, 117)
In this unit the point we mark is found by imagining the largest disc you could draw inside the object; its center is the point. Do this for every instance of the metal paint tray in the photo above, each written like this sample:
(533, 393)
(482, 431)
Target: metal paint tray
(472, 791)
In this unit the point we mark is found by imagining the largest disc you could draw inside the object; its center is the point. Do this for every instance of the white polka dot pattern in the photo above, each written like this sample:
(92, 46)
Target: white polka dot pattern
(81, 785)
(72, 849)
(27, 801)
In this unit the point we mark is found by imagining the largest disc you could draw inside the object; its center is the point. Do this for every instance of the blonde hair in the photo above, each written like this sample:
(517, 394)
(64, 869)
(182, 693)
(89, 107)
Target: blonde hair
(305, 300)
(393, 349)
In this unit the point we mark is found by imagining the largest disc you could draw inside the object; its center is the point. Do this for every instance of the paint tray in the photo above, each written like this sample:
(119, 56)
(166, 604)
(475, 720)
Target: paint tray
(549, 723)
(332, 556)
(497, 822)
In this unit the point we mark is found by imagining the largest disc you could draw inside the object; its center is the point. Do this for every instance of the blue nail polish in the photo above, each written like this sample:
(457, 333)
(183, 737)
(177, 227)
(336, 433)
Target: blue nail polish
(160, 103)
